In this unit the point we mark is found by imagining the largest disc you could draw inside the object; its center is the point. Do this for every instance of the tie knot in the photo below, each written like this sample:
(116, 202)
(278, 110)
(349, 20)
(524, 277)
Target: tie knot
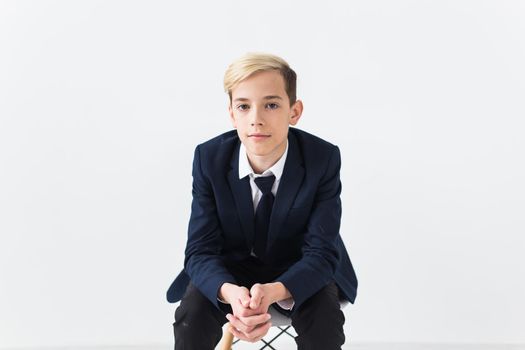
(265, 183)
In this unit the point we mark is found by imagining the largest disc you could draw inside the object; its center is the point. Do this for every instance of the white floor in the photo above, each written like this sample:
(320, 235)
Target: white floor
(288, 344)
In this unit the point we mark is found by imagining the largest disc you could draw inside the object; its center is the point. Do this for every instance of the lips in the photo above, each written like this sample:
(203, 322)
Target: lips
(258, 135)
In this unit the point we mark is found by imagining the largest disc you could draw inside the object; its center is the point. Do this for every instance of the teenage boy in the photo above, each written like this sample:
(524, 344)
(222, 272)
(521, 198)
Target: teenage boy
(264, 224)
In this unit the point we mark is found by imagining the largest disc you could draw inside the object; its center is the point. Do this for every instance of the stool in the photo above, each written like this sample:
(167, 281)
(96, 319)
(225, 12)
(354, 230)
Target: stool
(278, 320)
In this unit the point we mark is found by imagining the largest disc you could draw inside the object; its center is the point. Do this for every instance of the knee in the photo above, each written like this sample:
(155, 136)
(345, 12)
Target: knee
(323, 306)
(320, 319)
(191, 323)
(327, 318)
(196, 313)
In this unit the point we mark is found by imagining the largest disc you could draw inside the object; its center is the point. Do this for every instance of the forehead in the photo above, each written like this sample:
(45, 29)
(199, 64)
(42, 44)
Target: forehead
(260, 84)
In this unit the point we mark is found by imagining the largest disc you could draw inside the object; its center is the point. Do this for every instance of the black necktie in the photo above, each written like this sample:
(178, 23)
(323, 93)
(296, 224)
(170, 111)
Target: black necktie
(262, 214)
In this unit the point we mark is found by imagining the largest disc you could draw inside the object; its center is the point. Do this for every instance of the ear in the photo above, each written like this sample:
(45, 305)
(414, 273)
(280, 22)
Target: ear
(296, 111)
(232, 117)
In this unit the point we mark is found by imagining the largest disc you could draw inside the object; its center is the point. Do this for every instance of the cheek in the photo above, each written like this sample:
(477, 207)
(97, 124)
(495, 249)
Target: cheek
(283, 126)
(240, 124)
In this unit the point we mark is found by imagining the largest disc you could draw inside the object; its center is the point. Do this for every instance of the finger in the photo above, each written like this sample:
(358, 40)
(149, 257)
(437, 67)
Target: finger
(237, 334)
(257, 295)
(252, 337)
(258, 333)
(244, 298)
(245, 302)
(243, 310)
(255, 320)
(238, 324)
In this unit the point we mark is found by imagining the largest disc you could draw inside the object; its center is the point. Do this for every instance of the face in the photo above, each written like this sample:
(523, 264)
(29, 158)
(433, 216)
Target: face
(260, 111)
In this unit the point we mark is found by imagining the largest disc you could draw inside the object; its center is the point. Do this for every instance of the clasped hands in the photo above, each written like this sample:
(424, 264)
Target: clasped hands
(250, 320)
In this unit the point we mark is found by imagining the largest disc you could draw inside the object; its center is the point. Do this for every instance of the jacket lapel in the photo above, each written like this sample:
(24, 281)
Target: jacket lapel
(242, 195)
(291, 181)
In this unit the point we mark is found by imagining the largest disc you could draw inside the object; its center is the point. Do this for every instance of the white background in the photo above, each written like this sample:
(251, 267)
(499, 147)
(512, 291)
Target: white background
(103, 102)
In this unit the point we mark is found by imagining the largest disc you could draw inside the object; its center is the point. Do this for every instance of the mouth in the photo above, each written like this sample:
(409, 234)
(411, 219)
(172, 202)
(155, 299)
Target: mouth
(258, 137)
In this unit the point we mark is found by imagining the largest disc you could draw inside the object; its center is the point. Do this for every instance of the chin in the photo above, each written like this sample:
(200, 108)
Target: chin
(259, 151)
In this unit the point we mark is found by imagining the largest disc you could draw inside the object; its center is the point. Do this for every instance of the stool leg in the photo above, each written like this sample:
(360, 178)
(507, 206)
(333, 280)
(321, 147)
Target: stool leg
(282, 330)
(227, 338)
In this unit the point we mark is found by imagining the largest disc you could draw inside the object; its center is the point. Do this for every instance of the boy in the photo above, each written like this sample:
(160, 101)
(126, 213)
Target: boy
(264, 224)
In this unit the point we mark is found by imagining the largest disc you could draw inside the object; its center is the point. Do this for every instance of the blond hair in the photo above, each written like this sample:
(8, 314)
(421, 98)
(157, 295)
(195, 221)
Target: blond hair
(254, 62)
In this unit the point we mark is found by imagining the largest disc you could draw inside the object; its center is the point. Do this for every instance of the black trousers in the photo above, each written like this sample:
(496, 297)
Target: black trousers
(318, 321)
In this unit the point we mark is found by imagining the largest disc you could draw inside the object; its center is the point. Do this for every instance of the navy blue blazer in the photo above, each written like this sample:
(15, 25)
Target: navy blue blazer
(303, 235)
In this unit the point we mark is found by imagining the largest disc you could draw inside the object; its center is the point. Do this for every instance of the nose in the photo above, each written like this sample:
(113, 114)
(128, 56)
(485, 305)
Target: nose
(256, 117)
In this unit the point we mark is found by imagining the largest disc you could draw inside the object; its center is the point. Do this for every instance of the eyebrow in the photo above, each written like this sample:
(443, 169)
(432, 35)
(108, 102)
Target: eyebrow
(269, 97)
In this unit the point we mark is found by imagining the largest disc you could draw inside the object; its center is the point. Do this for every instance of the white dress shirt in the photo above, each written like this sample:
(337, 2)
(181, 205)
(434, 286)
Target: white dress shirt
(246, 169)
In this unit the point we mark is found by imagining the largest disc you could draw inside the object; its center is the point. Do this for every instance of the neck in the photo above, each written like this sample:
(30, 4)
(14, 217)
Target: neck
(260, 164)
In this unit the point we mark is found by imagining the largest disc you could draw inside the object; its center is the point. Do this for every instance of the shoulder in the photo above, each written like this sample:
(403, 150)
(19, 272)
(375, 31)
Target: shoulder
(218, 151)
(225, 139)
(313, 146)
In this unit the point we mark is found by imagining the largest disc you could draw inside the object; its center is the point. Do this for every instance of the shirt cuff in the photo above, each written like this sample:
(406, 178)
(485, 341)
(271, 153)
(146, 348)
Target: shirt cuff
(286, 304)
(222, 301)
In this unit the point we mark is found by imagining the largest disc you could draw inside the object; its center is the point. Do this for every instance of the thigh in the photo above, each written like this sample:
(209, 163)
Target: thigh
(195, 303)
(319, 320)
(198, 323)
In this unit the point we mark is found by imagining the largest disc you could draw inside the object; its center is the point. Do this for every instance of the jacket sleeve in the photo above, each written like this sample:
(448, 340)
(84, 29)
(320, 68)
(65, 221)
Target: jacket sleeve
(320, 255)
(203, 262)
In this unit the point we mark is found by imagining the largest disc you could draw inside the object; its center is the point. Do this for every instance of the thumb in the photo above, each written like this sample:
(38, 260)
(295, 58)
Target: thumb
(244, 298)
(257, 295)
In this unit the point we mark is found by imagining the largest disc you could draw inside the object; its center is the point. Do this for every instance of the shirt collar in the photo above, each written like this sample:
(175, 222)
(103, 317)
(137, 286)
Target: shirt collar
(246, 169)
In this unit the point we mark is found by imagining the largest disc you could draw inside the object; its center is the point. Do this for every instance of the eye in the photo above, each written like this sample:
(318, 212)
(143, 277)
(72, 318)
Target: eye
(243, 107)
(272, 105)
